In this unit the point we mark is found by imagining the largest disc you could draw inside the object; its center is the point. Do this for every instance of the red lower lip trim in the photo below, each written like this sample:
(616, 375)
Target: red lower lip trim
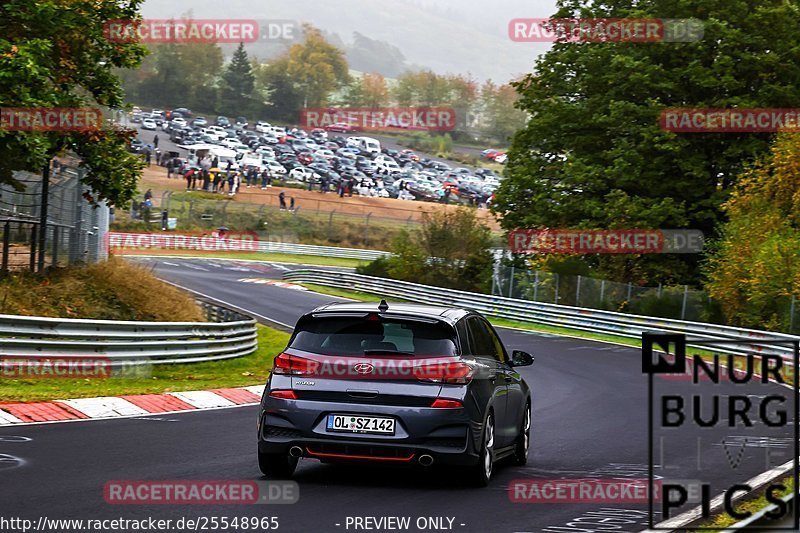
(365, 457)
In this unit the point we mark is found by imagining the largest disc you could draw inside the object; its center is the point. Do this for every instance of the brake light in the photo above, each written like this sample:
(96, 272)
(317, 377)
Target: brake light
(454, 372)
(444, 403)
(293, 365)
(283, 394)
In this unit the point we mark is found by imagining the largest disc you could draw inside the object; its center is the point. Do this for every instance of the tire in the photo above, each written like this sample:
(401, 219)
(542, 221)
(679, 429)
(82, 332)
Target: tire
(523, 444)
(481, 473)
(277, 465)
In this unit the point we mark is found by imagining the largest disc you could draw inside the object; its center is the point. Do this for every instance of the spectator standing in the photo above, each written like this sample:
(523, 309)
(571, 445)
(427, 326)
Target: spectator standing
(170, 165)
(148, 157)
(221, 181)
(155, 141)
(291, 204)
(282, 200)
(189, 179)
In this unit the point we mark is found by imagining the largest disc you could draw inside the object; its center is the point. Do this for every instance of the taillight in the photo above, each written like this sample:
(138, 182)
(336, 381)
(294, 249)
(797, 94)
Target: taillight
(444, 403)
(453, 372)
(283, 394)
(293, 365)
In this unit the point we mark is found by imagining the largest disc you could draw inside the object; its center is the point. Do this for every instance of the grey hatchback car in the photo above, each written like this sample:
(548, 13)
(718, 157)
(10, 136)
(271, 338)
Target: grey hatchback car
(399, 384)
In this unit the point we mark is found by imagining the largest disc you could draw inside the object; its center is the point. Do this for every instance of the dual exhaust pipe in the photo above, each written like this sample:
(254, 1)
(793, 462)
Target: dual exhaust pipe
(296, 451)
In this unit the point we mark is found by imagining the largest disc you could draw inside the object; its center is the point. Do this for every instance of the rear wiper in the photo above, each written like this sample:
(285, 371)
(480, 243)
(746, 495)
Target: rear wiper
(386, 352)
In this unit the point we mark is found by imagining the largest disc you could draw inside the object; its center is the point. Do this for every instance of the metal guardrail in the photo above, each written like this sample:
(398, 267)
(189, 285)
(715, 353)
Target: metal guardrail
(229, 334)
(590, 320)
(327, 251)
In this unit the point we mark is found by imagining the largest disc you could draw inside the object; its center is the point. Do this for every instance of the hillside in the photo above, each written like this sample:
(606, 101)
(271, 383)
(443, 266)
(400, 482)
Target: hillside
(446, 36)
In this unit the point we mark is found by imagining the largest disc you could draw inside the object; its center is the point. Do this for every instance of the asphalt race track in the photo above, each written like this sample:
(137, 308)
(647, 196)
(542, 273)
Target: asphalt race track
(589, 421)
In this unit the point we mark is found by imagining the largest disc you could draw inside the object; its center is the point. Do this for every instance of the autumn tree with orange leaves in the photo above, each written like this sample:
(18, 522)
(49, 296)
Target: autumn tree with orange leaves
(755, 270)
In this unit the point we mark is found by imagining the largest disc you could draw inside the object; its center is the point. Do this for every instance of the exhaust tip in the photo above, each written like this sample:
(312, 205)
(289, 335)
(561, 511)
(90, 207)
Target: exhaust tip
(425, 460)
(296, 451)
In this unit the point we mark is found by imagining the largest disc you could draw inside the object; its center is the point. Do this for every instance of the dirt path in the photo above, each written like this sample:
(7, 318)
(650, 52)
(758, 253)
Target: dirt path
(156, 179)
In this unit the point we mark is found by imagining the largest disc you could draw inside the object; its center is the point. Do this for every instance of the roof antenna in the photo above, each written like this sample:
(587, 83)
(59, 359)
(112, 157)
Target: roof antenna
(383, 306)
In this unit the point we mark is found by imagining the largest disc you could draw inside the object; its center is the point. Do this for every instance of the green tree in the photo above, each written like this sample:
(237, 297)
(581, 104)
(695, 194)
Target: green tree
(281, 98)
(499, 116)
(593, 154)
(755, 269)
(70, 64)
(237, 85)
(316, 68)
(452, 249)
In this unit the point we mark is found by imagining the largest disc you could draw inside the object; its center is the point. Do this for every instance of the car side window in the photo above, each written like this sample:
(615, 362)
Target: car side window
(464, 337)
(483, 344)
(498, 344)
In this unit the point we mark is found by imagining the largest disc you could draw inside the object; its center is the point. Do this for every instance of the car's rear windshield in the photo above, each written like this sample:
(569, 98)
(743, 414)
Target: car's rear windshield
(375, 337)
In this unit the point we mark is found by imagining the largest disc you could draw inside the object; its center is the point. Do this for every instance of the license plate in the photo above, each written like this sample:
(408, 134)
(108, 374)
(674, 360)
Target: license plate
(361, 424)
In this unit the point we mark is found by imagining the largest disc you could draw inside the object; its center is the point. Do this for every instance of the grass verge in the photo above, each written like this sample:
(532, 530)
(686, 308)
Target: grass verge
(752, 505)
(258, 256)
(252, 369)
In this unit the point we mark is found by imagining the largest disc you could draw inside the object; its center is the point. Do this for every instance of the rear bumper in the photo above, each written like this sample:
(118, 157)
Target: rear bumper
(447, 435)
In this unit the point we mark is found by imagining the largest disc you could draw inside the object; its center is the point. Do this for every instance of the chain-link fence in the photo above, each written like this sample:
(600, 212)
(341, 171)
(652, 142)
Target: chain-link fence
(192, 212)
(677, 302)
(75, 229)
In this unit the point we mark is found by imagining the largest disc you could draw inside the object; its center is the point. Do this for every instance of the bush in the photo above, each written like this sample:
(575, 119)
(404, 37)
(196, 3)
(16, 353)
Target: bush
(452, 249)
(378, 268)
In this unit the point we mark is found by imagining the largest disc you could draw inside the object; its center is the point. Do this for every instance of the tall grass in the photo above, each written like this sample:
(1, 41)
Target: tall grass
(114, 290)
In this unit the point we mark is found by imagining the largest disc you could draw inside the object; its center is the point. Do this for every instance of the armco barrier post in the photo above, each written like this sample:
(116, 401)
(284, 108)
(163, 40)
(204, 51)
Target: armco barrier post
(683, 305)
(6, 245)
(330, 225)
(578, 292)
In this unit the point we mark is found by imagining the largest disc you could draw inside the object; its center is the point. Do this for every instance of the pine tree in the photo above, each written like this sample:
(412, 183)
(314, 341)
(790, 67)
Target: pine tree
(238, 81)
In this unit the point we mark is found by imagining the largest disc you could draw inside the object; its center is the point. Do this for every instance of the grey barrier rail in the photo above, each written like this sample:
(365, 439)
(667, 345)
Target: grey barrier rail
(327, 251)
(590, 320)
(120, 242)
(228, 334)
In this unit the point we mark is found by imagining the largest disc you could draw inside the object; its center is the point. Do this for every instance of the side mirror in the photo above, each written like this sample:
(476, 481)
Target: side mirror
(520, 358)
